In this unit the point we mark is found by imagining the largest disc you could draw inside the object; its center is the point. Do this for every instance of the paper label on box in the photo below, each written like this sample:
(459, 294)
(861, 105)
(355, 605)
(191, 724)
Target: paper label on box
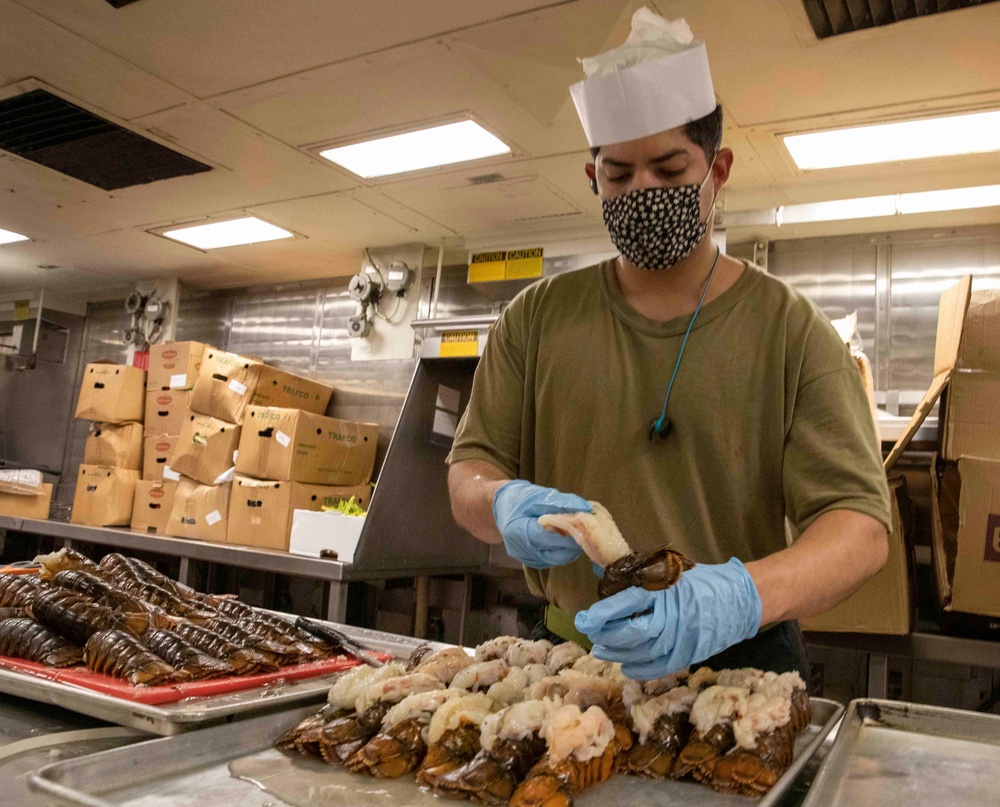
(213, 518)
(283, 438)
(178, 381)
(237, 387)
(173, 476)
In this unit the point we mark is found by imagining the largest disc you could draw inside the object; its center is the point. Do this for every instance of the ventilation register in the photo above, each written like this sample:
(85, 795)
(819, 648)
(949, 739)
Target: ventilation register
(835, 17)
(47, 130)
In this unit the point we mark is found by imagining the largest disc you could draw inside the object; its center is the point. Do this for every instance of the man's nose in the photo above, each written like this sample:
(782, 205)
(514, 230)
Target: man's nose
(645, 178)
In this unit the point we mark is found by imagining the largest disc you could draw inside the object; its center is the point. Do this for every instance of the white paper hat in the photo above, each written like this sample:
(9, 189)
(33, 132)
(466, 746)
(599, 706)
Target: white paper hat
(658, 80)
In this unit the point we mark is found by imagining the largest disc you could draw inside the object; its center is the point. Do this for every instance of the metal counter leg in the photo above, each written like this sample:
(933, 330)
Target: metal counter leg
(878, 674)
(336, 603)
(183, 576)
(422, 595)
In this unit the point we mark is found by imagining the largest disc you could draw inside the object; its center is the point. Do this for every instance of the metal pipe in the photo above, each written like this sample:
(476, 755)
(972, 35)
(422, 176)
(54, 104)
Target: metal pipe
(477, 321)
(437, 281)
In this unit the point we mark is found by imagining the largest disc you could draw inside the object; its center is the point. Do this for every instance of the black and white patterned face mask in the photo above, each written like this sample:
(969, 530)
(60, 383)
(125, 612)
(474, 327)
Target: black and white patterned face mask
(657, 227)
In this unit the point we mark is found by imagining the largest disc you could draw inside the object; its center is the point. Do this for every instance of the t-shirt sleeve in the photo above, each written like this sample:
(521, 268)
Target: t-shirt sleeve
(490, 429)
(832, 457)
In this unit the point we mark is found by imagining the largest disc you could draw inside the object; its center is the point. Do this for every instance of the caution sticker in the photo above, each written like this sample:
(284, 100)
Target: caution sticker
(459, 343)
(487, 266)
(524, 263)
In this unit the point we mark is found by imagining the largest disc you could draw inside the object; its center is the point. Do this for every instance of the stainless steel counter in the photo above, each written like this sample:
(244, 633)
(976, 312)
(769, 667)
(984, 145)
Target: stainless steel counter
(35, 734)
(334, 572)
(921, 646)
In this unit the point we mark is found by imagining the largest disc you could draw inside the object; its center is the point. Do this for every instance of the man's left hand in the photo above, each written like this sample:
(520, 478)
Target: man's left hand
(655, 633)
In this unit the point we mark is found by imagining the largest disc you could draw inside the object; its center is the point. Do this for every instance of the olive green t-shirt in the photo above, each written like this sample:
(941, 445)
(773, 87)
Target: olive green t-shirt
(769, 418)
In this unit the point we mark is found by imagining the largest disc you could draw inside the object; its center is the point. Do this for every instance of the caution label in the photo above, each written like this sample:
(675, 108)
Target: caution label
(455, 344)
(524, 263)
(485, 267)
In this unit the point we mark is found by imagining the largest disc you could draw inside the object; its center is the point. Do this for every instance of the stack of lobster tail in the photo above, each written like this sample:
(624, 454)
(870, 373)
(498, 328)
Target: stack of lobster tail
(531, 725)
(125, 619)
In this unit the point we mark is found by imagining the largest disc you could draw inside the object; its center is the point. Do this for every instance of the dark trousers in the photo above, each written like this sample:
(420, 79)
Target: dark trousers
(778, 649)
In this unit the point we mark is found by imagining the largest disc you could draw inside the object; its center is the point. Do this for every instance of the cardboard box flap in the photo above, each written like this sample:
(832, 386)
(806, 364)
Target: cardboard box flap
(939, 554)
(981, 333)
(951, 320)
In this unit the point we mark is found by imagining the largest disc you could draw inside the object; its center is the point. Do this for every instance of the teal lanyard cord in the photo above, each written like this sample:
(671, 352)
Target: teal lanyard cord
(657, 426)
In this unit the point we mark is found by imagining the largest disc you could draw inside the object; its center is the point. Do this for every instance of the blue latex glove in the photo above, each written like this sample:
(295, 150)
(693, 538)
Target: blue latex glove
(516, 508)
(709, 609)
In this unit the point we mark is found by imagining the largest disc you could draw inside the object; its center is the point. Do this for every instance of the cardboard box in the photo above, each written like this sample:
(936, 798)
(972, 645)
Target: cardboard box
(884, 603)
(15, 506)
(965, 523)
(114, 445)
(315, 532)
(200, 511)
(228, 384)
(972, 406)
(280, 389)
(302, 447)
(156, 457)
(166, 410)
(972, 415)
(112, 393)
(261, 510)
(205, 450)
(154, 499)
(225, 386)
(951, 323)
(174, 365)
(104, 496)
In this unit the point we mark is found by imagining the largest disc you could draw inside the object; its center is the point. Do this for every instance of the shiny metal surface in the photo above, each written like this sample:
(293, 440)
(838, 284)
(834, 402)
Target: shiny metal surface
(214, 760)
(409, 522)
(37, 404)
(195, 713)
(892, 753)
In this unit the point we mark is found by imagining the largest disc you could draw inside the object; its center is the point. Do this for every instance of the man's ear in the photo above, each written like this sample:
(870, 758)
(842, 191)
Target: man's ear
(591, 172)
(721, 167)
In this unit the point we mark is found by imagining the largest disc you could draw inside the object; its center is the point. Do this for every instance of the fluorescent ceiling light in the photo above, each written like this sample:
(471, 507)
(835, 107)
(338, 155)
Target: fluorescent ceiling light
(952, 199)
(975, 133)
(839, 210)
(412, 151)
(248, 230)
(869, 207)
(7, 237)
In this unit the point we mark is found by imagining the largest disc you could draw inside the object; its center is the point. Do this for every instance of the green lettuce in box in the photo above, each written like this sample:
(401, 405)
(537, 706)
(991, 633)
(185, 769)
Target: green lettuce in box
(348, 508)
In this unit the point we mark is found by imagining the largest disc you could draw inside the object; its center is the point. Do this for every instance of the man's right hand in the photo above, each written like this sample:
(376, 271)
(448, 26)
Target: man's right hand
(516, 508)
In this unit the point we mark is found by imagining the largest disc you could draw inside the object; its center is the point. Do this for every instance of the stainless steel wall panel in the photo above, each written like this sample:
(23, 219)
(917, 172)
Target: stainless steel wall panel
(206, 318)
(838, 274)
(276, 326)
(922, 268)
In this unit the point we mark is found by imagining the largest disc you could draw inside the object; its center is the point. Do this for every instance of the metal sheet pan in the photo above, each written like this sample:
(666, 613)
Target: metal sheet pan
(893, 753)
(234, 764)
(193, 713)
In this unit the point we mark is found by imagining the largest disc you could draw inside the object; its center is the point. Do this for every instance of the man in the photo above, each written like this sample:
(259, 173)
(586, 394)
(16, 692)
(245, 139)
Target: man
(699, 399)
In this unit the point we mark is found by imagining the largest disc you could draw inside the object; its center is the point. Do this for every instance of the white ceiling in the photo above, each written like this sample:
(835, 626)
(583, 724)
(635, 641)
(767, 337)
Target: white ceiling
(252, 87)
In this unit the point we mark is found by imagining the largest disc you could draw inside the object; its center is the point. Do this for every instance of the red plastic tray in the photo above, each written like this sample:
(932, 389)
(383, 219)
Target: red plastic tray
(170, 693)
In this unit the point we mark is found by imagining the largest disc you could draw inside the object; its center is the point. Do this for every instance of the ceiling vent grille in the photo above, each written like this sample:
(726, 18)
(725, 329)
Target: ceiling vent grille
(47, 130)
(835, 17)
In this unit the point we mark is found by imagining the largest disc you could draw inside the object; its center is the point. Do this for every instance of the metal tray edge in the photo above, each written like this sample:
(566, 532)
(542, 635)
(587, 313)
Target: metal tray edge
(800, 761)
(826, 781)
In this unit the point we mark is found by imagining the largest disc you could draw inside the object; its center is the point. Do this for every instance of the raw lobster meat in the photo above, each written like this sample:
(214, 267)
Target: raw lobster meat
(24, 638)
(121, 655)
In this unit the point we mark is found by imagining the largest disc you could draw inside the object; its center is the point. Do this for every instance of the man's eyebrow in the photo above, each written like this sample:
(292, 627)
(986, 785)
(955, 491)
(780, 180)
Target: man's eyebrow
(661, 159)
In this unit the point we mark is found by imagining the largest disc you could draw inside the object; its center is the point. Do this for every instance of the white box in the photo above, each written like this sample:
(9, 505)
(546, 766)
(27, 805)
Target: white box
(313, 531)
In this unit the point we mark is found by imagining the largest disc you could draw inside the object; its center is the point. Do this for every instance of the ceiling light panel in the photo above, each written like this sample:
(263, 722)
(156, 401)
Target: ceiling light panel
(232, 233)
(413, 151)
(975, 133)
(8, 237)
